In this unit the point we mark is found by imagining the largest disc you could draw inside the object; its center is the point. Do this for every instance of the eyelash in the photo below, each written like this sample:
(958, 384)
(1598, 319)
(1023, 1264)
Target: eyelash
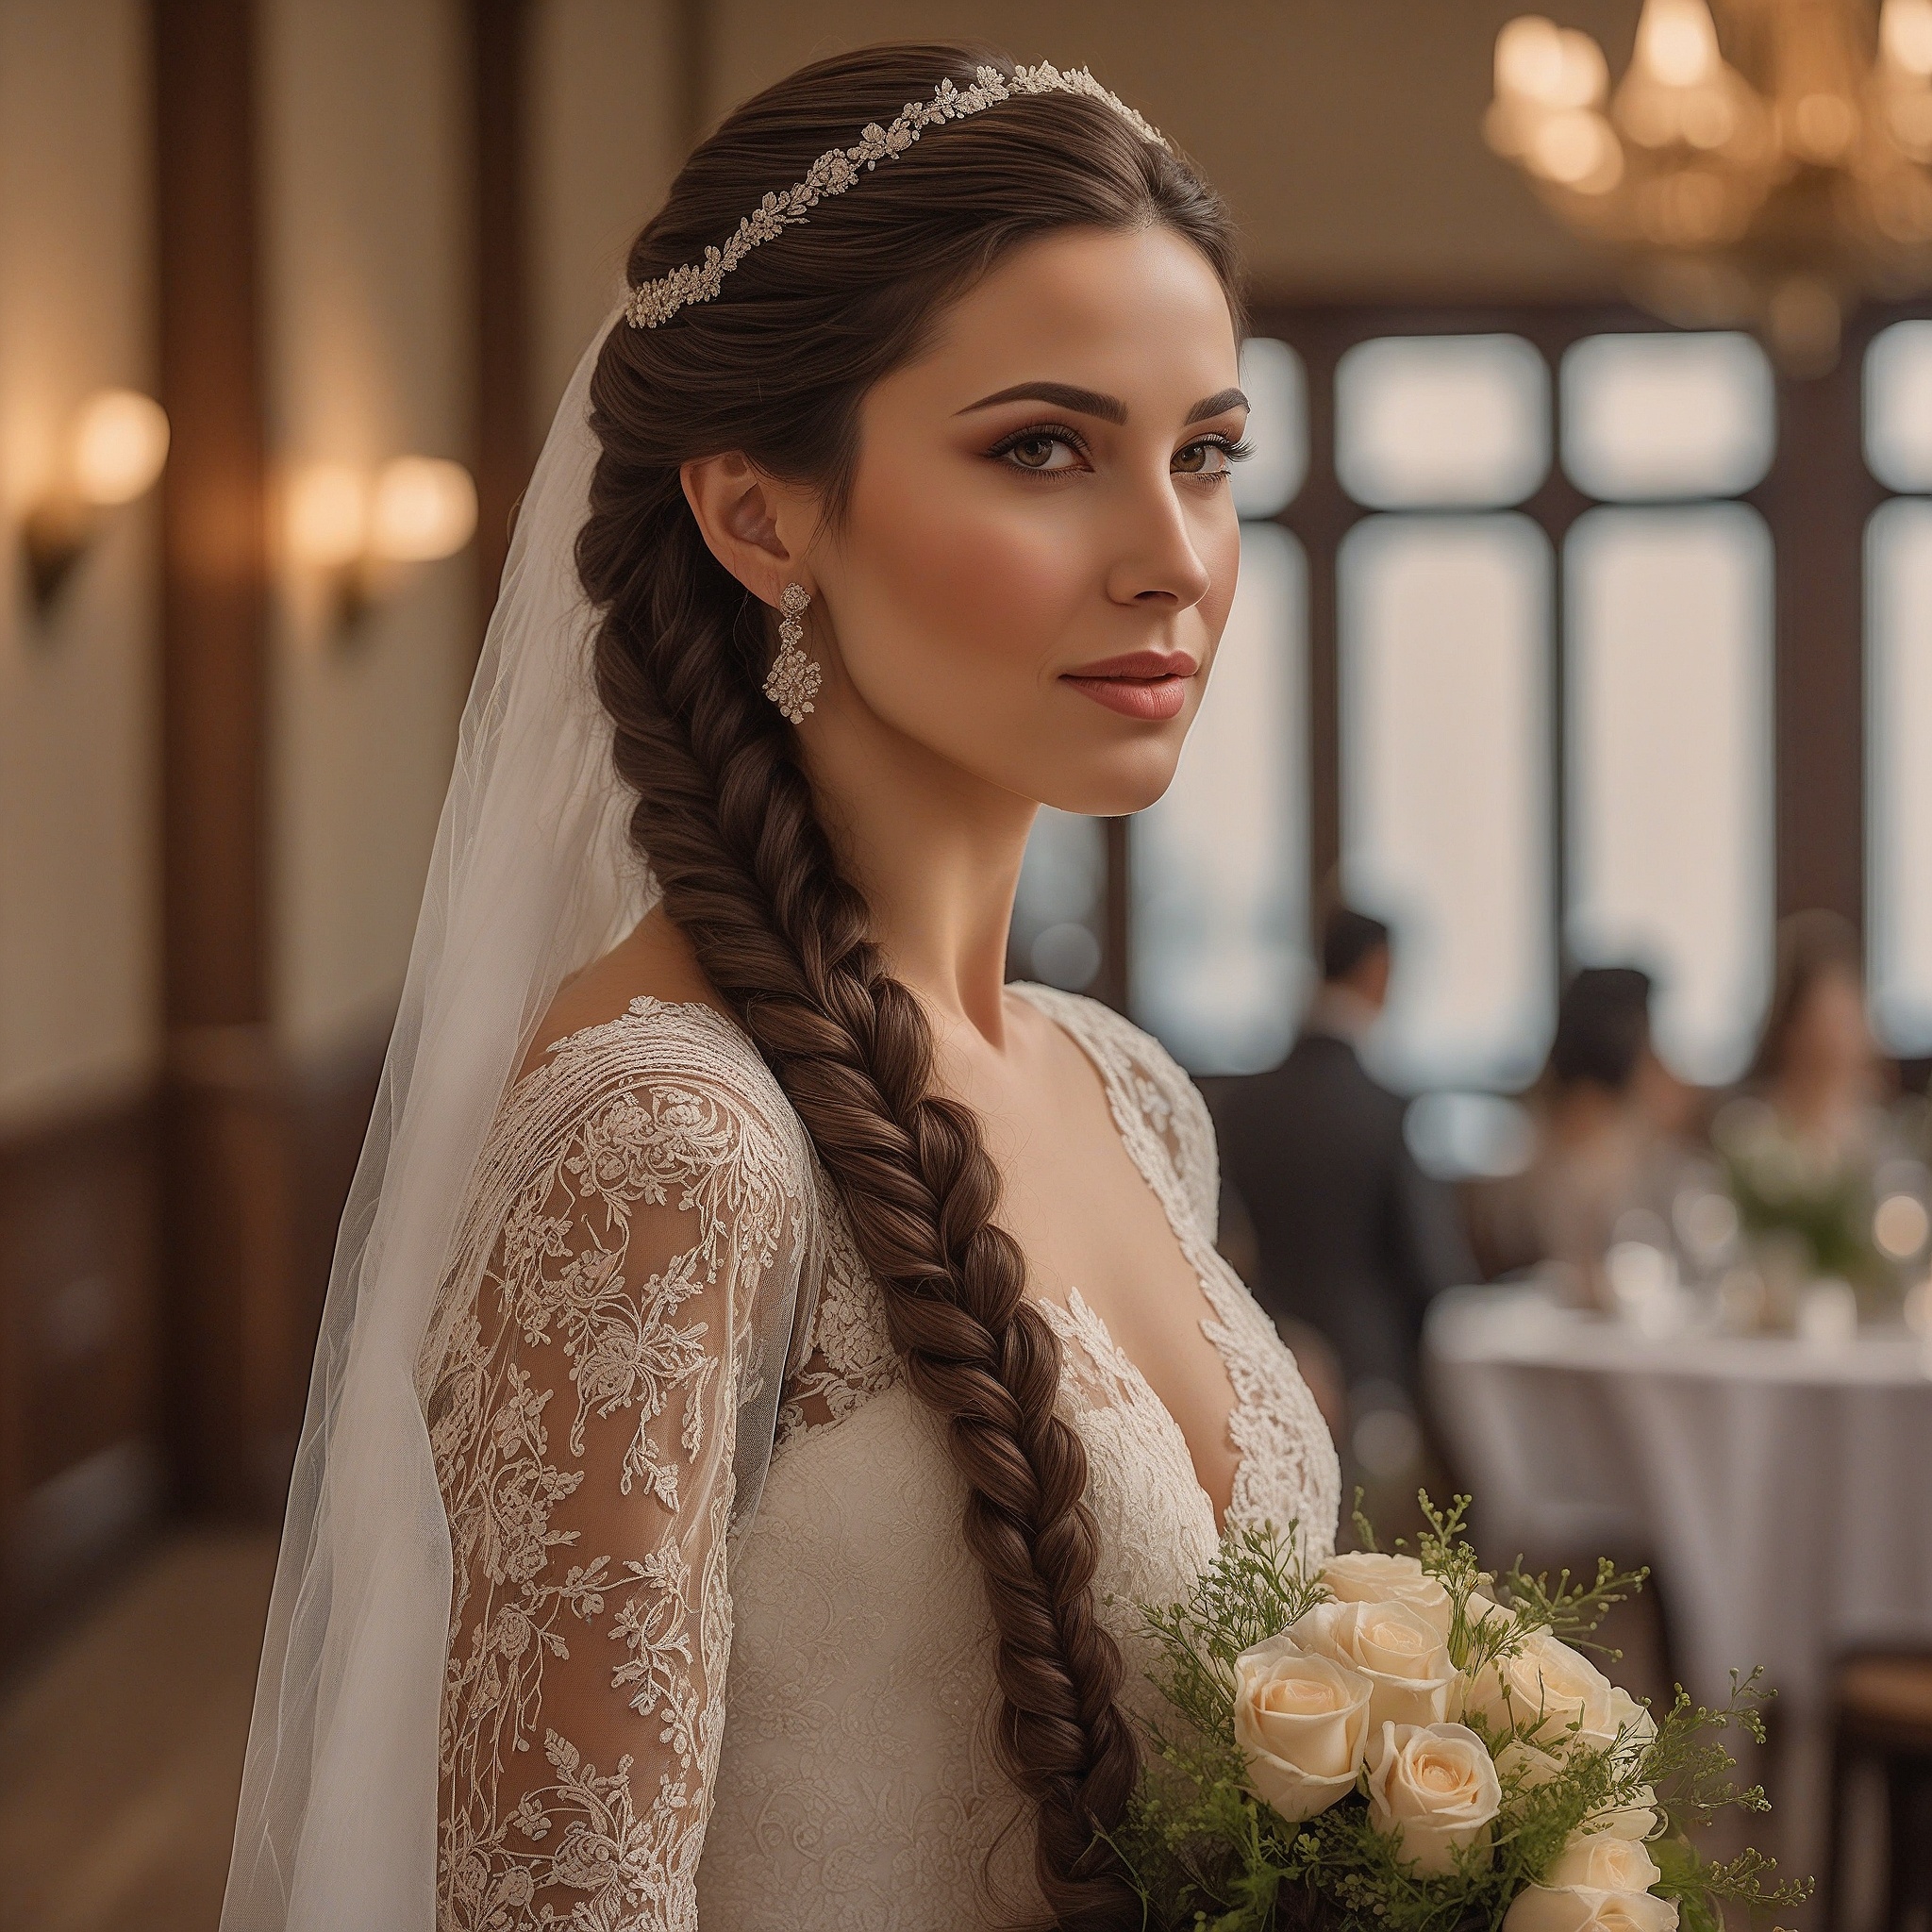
(1236, 452)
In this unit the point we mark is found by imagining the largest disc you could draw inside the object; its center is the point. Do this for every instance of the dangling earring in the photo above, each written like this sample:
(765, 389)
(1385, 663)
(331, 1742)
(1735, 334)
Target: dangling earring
(793, 679)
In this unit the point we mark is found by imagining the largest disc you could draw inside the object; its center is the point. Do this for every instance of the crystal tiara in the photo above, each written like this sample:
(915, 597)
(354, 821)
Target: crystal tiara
(838, 168)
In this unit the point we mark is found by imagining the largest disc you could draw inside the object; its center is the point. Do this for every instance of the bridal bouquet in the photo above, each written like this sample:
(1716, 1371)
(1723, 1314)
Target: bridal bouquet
(1403, 1742)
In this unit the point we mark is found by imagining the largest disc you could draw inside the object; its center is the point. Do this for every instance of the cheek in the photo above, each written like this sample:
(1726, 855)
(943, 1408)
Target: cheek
(1217, 543)
(958, 594)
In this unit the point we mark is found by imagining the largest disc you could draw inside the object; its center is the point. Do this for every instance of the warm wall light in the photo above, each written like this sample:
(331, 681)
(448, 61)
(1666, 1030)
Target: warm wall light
(327, 516)
(120, 443)
(424, 508)
(347, 528)
(115, 451)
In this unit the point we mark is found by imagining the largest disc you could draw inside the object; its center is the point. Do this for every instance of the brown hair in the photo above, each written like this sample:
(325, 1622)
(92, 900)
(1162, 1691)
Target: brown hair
(775, 367)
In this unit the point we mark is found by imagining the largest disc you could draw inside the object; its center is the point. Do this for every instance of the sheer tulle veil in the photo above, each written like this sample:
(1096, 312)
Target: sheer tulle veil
(532, 876)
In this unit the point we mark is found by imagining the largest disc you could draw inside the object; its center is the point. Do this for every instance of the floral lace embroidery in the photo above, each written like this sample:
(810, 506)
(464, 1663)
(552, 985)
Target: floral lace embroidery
(647, 1190)
(641, 1197)
(848, 1354)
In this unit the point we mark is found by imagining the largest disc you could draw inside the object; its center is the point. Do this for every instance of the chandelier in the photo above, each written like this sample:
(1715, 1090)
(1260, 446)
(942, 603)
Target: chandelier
(1769, 178)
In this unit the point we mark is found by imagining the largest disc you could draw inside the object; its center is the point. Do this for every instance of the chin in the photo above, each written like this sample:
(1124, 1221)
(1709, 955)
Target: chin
(1127, 779)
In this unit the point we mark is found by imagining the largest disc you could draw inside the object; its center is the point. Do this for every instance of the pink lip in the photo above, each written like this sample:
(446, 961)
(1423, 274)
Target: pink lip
(1149, 685)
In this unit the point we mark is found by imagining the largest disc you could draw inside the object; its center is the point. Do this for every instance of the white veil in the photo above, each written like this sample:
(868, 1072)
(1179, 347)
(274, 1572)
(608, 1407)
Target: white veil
(532, 876)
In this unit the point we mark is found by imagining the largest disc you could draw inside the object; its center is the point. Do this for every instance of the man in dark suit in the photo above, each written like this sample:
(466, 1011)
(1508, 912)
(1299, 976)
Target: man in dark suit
(1352, 1237)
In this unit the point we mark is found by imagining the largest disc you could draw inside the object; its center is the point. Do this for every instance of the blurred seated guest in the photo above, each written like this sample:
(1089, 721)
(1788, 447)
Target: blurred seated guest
(1351, 1237)
(1817, 1067)
(1606, 1114)
(1809, 1141)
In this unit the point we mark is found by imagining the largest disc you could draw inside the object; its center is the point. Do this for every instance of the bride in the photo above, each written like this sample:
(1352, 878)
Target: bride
(769, 1356)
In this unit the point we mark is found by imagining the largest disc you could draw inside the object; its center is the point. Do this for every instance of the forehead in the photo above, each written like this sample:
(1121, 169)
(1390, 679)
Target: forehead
(1135, 311)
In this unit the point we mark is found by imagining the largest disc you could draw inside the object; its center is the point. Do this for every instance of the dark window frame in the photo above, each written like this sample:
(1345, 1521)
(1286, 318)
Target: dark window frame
(1816, 500)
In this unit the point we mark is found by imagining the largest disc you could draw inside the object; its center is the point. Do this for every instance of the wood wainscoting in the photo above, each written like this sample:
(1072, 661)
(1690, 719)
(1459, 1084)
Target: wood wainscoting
(163, 1265)
(260, 1151)
(81, 1468)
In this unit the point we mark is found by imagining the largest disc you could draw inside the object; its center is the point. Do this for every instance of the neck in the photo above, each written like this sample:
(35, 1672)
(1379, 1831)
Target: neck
(937, 853)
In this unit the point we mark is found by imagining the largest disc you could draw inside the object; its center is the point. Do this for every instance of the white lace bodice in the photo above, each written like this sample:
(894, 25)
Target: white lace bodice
(596, 1385)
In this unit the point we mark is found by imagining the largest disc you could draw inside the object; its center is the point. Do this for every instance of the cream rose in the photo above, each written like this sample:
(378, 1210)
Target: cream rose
(1396, 1648)
(1433, 1787)
(1542, 1689)
(1618, 1720)
(1368, 1576)
(1302, 1722)
(1583, 1908)
(1639, 1818)
(1602, 1864)
(1533, 1766)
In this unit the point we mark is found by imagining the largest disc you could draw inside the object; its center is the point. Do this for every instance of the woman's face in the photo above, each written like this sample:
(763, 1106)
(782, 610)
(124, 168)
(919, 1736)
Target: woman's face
(1041, 546)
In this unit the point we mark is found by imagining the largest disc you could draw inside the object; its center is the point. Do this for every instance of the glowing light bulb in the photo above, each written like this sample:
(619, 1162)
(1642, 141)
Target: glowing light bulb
(1905, 35)
(1677, 43)
(1553, 66)
(327, 515)
(1530, 57)
(424, 508)
(120, 443)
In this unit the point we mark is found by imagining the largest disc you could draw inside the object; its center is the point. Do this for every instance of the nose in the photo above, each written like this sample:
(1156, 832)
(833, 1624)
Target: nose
(1158, 564)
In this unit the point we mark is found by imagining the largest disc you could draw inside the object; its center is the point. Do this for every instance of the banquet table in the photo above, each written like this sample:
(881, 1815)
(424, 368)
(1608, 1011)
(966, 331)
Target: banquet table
(1782, 1488)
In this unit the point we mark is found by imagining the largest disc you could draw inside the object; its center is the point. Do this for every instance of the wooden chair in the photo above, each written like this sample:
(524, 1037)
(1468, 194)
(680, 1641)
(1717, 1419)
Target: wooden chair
(1882, 1715)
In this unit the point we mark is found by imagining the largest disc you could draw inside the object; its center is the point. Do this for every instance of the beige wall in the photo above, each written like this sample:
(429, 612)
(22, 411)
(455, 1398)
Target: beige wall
(605, 128)
(78, 821)
(1343, 132)
(365, 144)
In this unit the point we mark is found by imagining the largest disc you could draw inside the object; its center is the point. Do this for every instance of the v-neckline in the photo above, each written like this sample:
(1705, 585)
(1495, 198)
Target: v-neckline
(1043, 1000)
(1088, 1326)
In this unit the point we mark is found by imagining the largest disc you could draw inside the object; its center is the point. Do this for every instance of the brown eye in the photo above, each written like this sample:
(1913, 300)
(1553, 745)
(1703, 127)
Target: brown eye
(1201, 460)
(1045, 451)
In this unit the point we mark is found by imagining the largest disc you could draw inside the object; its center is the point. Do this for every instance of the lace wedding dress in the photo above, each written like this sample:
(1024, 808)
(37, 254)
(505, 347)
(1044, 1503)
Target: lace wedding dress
(583, 1377)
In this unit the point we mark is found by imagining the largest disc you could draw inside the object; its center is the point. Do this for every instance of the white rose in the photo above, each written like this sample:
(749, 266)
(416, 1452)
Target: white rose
(1302, 1722)
(1533, 1767)
(1639, 1818)
(1396, 1648)
(1433, 1787)
(1542, 1689)
(1616, 1718)
(1367, 1576)
(1602, 1864)
(1582, 1908)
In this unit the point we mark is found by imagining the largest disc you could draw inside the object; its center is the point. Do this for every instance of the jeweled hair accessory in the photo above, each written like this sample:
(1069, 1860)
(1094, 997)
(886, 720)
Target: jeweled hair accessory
(838, 168)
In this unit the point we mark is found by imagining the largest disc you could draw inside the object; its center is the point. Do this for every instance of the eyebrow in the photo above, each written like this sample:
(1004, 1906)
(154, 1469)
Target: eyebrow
(1093, 402)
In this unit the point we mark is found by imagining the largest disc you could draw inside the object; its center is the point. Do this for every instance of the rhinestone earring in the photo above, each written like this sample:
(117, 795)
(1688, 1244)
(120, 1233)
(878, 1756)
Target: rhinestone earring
(793, 679)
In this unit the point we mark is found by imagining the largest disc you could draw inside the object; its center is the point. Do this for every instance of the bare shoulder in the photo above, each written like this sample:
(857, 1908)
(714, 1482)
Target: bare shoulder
(654, 960)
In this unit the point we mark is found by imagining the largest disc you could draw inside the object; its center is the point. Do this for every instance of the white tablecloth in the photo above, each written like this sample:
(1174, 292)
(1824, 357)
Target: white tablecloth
(1782, 1489)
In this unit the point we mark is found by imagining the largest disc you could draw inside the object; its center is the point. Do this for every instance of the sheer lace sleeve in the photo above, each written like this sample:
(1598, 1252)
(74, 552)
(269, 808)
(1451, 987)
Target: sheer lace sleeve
(633, 1254)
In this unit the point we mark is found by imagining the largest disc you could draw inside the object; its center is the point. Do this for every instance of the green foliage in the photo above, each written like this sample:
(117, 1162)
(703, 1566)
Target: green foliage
(1207, 1855)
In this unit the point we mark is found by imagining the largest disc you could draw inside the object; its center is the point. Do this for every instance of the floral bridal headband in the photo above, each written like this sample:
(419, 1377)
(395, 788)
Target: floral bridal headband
(838, 168)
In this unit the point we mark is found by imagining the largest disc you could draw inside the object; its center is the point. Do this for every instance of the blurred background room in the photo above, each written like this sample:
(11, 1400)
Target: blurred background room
(1544, 901)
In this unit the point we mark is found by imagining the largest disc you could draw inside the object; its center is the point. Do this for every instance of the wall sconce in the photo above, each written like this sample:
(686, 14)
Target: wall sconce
(116, 449)
(352, 530)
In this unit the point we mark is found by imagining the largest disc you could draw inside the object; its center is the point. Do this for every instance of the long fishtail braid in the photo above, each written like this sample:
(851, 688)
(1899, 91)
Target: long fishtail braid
(749, 876)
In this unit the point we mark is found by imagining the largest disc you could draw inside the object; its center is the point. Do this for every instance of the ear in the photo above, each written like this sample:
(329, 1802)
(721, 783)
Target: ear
(755, 526)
